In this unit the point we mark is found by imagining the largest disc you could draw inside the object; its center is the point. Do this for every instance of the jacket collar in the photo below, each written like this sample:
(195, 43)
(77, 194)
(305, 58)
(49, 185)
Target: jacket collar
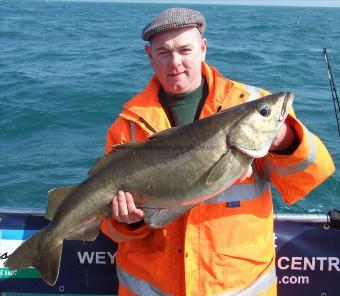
(145, 107)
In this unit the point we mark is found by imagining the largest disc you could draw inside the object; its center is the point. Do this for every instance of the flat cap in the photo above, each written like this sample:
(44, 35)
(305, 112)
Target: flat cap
(174, 18)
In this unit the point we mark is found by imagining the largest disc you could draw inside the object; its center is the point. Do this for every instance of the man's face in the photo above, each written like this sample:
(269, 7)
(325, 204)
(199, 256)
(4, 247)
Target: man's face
(176, 57)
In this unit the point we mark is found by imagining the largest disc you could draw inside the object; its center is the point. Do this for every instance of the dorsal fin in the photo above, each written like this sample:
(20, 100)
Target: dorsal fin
(162, 133)
(116, 153)
(56, 197)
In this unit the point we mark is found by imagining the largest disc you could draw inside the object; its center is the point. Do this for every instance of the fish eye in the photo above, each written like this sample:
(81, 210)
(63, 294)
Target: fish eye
(264, 110)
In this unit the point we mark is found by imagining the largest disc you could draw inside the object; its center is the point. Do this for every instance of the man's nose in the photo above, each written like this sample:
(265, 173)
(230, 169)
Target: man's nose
(175, 59)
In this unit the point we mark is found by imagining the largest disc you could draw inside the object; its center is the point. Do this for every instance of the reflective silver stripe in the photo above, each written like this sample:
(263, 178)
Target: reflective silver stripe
(261, 285)
(115, 235)
(298, 167)
(137, 285)
(254, 92)
(132, 129)
(241, 191)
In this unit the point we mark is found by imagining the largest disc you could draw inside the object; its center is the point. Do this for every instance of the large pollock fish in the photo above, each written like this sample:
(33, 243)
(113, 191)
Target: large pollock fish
(170, 173)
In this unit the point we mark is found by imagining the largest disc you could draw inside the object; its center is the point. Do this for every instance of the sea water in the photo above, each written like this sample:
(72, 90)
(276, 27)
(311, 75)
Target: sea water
(66, 68)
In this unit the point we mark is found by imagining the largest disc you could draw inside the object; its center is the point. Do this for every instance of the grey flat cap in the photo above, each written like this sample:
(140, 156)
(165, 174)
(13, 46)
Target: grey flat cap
(174, 18)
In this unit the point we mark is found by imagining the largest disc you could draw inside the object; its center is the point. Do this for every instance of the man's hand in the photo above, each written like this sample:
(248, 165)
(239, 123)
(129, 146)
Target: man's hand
(124, 209)
(283, 139)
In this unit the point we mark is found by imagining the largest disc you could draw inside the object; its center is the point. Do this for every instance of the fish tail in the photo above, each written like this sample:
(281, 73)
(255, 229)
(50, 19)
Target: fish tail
(41, 252)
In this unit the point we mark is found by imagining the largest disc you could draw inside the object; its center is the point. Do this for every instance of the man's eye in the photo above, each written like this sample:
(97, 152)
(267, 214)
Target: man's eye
(186, 50)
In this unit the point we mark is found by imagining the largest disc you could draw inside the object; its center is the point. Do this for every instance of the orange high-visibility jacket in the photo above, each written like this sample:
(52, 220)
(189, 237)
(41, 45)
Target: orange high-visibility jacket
(217, 247)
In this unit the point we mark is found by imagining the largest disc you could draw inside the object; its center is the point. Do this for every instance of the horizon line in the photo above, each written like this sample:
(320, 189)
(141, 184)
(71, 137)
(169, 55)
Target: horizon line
(216, 2)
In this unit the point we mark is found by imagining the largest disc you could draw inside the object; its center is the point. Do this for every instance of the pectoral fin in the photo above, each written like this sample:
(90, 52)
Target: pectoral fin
(157, 218)
(220, 168)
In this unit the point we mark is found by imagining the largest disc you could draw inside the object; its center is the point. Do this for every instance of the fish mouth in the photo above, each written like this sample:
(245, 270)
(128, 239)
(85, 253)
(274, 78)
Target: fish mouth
(255, 153)
(286, 105)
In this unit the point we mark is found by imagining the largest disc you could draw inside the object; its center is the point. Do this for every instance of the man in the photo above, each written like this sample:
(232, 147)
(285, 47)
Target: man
(217, 247)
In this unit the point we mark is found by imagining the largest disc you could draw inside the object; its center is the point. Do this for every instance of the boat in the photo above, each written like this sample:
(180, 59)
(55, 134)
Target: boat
(307, 257)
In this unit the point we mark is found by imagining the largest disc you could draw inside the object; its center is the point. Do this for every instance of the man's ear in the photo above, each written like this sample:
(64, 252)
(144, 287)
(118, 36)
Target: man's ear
(148, 51)
(203, 48)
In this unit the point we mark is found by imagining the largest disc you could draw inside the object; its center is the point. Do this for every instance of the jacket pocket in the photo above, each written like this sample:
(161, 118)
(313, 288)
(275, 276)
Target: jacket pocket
(238, 267)
(256, 252)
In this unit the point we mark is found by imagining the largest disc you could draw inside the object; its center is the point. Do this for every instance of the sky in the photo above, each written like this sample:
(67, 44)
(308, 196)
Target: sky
(319, 3)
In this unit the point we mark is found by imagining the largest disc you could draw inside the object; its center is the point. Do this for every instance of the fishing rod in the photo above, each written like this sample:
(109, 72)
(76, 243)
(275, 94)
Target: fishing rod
(333, 215)
(336, 103)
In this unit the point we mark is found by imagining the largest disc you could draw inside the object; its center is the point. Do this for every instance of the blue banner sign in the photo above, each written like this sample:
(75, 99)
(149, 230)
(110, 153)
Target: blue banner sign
(308, 260)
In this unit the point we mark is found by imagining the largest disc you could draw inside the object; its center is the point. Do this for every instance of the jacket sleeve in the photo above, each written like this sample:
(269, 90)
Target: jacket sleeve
(120, 133)
(297, 174)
